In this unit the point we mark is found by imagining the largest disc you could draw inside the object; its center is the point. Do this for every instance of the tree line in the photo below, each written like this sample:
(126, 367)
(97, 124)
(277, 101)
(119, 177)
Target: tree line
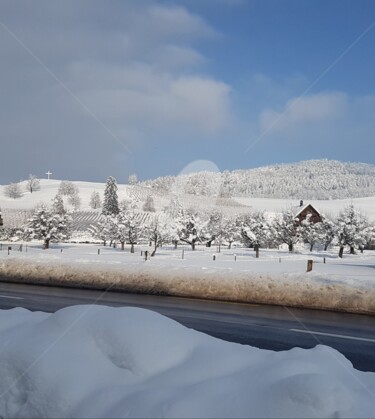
(123, 224)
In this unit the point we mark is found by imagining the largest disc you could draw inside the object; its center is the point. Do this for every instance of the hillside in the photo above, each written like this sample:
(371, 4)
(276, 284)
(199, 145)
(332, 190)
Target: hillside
(311, 179)
(270, 189)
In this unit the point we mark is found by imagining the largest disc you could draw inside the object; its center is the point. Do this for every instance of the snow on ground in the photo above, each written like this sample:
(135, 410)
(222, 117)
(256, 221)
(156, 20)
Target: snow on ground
(96, 361)
(277, 277)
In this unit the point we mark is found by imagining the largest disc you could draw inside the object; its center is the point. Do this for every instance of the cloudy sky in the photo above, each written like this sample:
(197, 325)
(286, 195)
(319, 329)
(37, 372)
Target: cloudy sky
(96, 88)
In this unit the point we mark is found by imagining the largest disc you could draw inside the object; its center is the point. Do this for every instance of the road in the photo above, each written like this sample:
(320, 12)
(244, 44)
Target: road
(267, 327)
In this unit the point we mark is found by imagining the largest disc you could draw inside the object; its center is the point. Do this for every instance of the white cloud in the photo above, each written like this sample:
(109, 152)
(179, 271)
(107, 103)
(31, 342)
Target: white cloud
(138, 96)
(304, 110)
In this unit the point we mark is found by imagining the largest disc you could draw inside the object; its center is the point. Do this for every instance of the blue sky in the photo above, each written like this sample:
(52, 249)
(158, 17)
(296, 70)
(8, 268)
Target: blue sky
(91, 89)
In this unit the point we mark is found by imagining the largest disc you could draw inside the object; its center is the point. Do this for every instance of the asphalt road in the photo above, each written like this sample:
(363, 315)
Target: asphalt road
(266, 327)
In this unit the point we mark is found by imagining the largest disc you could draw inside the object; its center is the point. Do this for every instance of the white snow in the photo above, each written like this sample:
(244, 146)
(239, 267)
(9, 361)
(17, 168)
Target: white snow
(96, 361)
(277, 277)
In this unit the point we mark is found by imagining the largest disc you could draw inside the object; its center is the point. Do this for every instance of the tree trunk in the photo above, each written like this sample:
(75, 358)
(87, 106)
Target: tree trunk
(46, 243)
(132, 248)
(361, 249)
(326, 247)
(256, 248)
(290, 247)
(311, 247)
(341, 251)
(230, 245)
(122, 245)
(352, 251)
(208, 244)
(104, 243)
(193, 246)
(175, 242)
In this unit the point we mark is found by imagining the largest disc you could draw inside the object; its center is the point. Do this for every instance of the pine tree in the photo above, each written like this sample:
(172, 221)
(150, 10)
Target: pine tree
(46, 225)
(110, 205)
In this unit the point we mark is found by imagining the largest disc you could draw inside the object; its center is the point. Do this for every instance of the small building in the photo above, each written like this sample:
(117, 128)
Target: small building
(303, 210)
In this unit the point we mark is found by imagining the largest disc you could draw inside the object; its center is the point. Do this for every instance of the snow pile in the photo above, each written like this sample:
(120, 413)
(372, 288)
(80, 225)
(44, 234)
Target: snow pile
(96, 361)
(346, 285)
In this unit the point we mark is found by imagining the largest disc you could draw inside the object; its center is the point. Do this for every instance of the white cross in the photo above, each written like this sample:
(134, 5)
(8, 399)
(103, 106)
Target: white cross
(48, 174)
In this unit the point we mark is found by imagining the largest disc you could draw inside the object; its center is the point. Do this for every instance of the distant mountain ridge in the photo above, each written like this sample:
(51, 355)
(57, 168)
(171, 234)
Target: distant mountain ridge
(310, 179)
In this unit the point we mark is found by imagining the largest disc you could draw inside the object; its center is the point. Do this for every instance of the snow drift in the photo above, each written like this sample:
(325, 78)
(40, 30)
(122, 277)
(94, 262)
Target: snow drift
(96, 361)
(184, 279)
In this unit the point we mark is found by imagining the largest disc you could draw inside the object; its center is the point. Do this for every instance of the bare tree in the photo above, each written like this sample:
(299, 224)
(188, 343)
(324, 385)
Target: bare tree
(32, 184)
(13, 190)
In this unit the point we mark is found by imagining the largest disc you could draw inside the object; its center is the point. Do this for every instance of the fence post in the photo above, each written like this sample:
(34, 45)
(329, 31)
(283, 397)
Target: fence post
(183, 253)
(98, 251)
(309, 265)
(214, 257)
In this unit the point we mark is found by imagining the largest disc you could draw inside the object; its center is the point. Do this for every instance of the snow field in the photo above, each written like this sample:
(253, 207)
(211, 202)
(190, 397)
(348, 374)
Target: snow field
(97, 361)
(346, 285)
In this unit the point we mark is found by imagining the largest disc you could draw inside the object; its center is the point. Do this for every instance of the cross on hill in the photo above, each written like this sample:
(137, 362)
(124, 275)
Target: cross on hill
(48, 174)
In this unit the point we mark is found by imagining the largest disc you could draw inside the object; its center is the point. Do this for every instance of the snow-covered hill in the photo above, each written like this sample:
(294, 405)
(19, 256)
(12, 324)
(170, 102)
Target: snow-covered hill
(311, 179)
(286, 185)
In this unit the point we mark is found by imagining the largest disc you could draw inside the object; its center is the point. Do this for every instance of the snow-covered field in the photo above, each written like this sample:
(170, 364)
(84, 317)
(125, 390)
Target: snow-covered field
(96, 361)
(277, 277)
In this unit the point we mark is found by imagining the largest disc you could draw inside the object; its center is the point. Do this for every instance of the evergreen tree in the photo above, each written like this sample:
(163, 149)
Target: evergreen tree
(110, 205)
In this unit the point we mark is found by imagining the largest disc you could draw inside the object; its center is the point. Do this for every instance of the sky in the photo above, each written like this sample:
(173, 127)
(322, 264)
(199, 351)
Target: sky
(90, 89)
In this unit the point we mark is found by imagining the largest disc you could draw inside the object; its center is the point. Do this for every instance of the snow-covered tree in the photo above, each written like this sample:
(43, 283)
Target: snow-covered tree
(132, 221)
(149, 205)
(174, 212)
(213, 228)
(133, 179)
(104, 230)
(32, 184)
(310, 232)
(351, 230)
(95, 201)
(286, 230)
(174, 209)
(67, 188)
(159, 231)
(255, 231)
(231, 231)
(58, 205)
(190, 229)
(110, 204)
(13, 190)
(45, 225)
(328, 231)
(75, 200)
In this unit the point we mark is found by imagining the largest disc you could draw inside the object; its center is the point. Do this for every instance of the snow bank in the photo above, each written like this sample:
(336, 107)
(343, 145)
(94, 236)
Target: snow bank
(345, 286)
(96, 361)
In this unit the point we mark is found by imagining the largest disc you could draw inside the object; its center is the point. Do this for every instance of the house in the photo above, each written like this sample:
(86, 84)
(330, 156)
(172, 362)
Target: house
(303, 210)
